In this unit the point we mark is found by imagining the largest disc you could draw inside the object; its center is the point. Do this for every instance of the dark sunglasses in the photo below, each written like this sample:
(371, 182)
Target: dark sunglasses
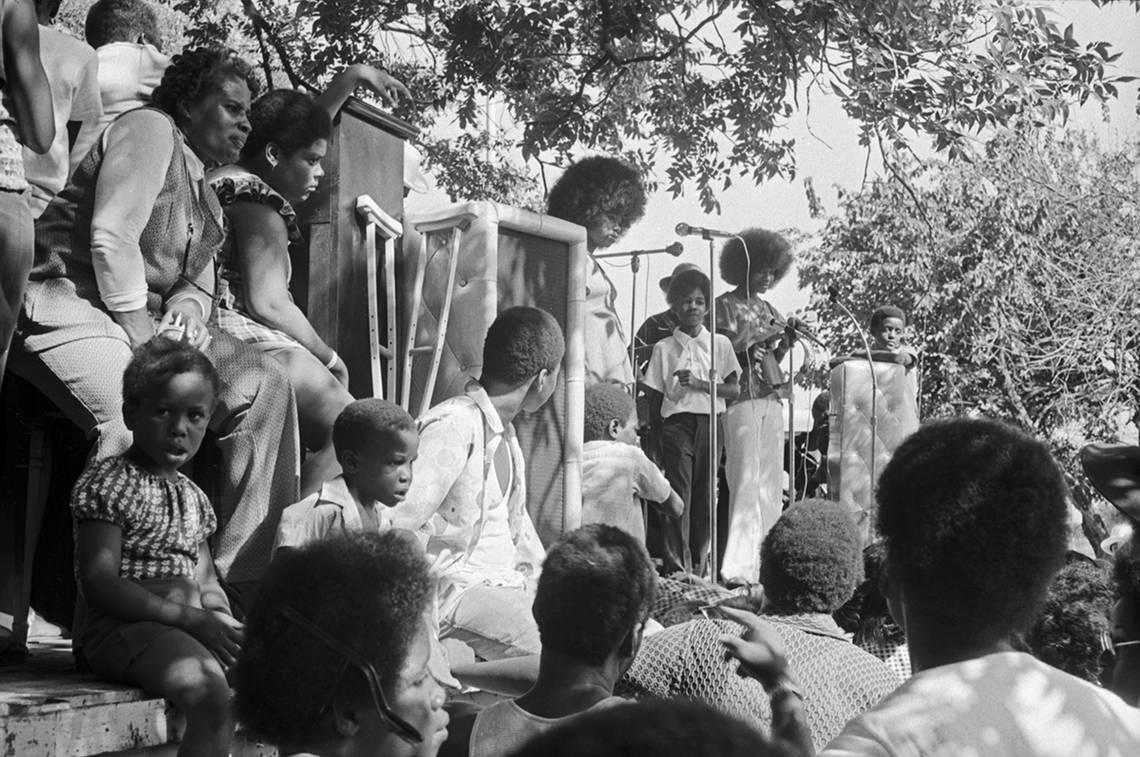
(397, 724)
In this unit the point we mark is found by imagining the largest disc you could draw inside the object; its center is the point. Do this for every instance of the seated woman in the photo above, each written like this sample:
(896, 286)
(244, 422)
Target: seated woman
(279, 167)
(126, 251)
(335, 654)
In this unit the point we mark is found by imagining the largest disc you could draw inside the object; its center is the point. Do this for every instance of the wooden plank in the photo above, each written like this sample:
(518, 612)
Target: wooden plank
(83, 731)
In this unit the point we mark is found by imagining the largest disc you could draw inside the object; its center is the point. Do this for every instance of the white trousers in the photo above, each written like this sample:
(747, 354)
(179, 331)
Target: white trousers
(753, 445)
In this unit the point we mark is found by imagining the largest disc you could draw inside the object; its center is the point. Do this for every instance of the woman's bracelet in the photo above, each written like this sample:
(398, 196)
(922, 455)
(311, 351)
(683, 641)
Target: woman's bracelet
(332, 361)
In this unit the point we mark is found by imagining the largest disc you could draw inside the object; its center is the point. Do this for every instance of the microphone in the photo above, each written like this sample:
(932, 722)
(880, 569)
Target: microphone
(685, 230)
(674, 249)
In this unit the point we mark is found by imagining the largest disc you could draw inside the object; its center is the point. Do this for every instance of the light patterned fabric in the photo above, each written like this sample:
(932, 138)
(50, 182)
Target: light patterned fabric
(327, 511)
(479, 531)
(680, 597)
(895, 653)
(607, 350)
(1007, 703)
(745, 321)
(694, 353)
(615, 476)
(839, 680)
(162, 522)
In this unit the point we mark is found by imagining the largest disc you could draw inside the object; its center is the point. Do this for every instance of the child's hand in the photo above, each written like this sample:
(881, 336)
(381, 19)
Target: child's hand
(219, 632)
(685, 377)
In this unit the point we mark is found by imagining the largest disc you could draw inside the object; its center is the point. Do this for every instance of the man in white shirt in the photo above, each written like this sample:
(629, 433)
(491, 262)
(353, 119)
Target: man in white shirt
(974, 519)
(469, 490)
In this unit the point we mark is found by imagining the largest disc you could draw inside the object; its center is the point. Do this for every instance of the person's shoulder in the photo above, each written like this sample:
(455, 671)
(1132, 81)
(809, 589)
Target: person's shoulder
(54, 43)
(233, 184)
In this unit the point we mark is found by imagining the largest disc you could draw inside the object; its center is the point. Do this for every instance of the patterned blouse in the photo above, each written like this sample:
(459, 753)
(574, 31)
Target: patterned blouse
(746, 321)
(163, 522)
(232, 314)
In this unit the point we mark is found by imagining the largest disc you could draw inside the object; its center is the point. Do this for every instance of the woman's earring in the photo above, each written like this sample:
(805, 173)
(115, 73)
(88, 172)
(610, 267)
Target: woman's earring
(270, 157)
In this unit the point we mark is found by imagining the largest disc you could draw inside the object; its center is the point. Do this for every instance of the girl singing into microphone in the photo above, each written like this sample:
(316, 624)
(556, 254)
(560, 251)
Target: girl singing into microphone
(753, 262)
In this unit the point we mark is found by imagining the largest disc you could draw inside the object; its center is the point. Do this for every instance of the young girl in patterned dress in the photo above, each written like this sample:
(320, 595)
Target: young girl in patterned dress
(155, 614)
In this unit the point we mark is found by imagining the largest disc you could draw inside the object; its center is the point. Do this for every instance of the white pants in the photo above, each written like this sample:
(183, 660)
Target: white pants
(753, 445)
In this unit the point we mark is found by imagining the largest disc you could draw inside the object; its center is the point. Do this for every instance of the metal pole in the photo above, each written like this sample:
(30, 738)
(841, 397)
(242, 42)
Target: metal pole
(714, 452)
(791, 419)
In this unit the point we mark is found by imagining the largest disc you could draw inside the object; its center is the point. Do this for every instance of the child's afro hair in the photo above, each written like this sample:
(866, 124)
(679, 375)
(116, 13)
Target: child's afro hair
(605, 402)
(156, 361)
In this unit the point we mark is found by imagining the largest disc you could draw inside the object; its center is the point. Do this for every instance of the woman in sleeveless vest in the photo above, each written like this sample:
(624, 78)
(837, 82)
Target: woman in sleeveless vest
(126, 251)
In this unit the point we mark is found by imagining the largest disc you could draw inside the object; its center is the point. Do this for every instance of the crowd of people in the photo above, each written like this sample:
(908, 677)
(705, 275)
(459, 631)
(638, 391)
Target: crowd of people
(369, 583)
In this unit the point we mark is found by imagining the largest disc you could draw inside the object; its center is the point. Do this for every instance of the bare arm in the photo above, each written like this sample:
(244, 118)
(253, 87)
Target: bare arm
(673, 505)
(99, 547)
(27, 82)
(213, 596)
(262, 243)
(511, 677)
(345, 83)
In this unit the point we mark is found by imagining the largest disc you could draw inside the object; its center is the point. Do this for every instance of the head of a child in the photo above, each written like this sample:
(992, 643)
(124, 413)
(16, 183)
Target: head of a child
(594, 594)
(132, 21)
(1069, 631)
(364, 593)
(974, 517)
(755, 260)
(610, 414)
(169, 393)
(812, 560)
(376, 443)
(887, 326)
(688, 298)
(523, 351)
(604, 194)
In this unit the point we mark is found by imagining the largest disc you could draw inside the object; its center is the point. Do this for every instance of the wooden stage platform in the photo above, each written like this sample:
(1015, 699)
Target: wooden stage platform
(48, 709)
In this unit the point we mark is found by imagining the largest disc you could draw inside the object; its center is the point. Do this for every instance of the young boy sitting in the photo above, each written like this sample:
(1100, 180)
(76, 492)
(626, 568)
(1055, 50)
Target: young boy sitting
(615, 472)
(155, 615)
(678, 380)
(376, 443)
(887, 326)
(470, 489)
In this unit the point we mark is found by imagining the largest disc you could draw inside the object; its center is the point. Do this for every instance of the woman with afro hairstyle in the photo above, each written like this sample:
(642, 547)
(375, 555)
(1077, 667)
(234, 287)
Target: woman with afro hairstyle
(279, 167)
(126, 252)
(752, 262)
(606, 196)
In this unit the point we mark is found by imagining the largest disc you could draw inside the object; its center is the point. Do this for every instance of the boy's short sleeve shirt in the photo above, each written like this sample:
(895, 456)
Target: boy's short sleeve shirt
(162, 522)
(614, 475)
(327, 511)
(681, 351)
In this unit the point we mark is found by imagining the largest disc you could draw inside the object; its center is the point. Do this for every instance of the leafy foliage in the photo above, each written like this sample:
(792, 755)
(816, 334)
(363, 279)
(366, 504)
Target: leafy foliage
(1019, 273)
(703, 84)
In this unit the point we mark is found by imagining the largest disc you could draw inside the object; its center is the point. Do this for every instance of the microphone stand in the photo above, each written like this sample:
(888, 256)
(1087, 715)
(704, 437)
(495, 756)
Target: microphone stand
(714, 448)
(634, 256)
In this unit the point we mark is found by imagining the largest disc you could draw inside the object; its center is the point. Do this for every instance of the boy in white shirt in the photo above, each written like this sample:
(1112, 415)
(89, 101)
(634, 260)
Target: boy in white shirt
(616, 474)
(678, 380)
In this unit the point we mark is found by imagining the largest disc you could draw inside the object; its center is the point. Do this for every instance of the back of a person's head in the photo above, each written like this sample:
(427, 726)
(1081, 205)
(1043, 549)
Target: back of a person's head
(368, 421)
(1068, 632)
(605, 403)
(597, 585)
(522, 342)
(121, 21)
(973, 513)
(652, 728)
(810, 562)
(368, 591)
